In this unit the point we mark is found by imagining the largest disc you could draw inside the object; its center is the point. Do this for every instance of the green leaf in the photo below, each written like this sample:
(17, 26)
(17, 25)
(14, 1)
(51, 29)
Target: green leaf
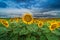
(45, 29)
(3, 29)
(14, 37)
(3, 35)
(23, 37)
(43, 37)
(23, 31)
(31, 38)
(16, 30)
(32, 28)
(57, 32)
(51, 36)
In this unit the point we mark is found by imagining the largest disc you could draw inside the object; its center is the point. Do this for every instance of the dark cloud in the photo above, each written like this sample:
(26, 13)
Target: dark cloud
(3, 5)
(53, 4)
(46, 4)
(35, 6)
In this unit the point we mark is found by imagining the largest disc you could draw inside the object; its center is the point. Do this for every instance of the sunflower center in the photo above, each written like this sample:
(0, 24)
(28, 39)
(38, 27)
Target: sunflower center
(27, 18)
(5, 23)
(40, 24)
(59, 23)
(53, 26)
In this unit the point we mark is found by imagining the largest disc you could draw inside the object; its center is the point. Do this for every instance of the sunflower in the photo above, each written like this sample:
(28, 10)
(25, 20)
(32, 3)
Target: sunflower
(16, 19)
(1, 20)
(27, 18)
(53, 26)
(41, 19)
(36, 21)
(51, 21)
(12, 19)
(5, 23)
(58, 23)
(40, 24)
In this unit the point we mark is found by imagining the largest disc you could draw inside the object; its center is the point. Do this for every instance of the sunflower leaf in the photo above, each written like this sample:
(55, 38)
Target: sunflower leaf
(32, 28)
(51, 36)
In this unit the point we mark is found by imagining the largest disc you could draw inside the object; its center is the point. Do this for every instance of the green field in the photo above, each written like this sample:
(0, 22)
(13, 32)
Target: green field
(21, 31)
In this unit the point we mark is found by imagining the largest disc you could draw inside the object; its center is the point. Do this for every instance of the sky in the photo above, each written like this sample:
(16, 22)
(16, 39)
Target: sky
(46, 8)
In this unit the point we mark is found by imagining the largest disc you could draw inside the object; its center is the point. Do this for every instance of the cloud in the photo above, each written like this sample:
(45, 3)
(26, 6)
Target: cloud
(8, 12)
(48, 14)
(19, 12)
(13, 11)
(42, 7)
(46, 4)
(3, 5)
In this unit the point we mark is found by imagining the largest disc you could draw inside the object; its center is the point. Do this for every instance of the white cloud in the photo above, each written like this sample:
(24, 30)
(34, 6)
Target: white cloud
(10, 12)
(18, 12)
(13, 11)
(54, 12)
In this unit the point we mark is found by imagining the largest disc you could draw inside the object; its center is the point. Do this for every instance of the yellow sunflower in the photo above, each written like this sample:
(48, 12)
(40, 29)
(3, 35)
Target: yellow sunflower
(58, 23)
(53, 26)
(27, 18)
(12, 19)
(1, 20)
(16, 19)
(5, 23)
(40, 24)
(51, 21)
(36, 21)
(42, 19)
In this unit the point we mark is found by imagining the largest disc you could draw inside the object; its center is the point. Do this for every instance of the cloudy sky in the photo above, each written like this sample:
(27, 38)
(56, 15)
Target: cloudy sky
(38, 8)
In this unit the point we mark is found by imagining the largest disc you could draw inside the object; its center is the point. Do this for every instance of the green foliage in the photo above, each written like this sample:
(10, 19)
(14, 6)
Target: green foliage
(32, 28)
(21, 31)
(51, 36)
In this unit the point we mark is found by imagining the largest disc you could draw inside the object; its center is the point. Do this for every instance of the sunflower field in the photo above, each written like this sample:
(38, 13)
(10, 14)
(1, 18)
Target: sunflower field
(29, 28)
